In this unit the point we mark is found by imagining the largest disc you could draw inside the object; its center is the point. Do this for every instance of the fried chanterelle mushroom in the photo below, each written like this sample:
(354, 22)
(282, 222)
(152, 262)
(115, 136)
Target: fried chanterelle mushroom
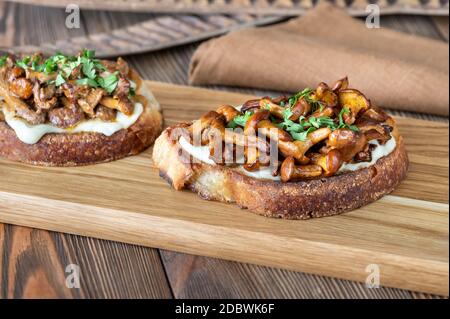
(64, 90)
(316, 131)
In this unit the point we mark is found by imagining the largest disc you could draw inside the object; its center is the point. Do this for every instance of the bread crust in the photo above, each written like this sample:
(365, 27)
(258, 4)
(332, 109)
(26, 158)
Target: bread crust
(78, 149)
(292, 200)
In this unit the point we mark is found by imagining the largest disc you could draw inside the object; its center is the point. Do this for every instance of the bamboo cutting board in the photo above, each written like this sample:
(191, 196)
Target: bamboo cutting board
(405, 234)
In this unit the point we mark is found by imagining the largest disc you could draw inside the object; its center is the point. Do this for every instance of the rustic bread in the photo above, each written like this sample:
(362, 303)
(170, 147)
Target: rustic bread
(319, 197)
(66, 149)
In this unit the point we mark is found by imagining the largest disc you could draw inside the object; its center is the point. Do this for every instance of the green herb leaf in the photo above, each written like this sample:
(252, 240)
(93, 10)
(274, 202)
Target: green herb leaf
(3, 60)
(302, 135)
(343, 111)
(35, 66)
(88, 53)
(87, 81)
(59, 80)
(24, 62)
(342, 124)
(109, 83)
(315, 105)
(240, 120)
(99, 65)
(300, 130)
(306, 94)
(89, 69)
(293, 99)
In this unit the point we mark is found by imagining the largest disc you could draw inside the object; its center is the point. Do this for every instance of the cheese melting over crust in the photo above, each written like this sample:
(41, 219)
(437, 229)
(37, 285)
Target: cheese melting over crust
(378, 152)
(202, 154)
(31, 134)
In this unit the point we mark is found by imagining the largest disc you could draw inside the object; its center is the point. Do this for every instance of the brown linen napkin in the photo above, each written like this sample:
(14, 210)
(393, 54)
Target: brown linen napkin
(393, 69)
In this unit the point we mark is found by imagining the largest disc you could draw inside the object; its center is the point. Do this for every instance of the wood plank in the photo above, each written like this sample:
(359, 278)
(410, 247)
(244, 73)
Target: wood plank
(196, 277)
(404, 233)
(280, 7)
(33, 265)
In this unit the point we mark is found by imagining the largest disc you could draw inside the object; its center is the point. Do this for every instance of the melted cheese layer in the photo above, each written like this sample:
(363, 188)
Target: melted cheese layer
(202, 154)
(262, 173)
(31, 134)
(378, 152)
(199, 152)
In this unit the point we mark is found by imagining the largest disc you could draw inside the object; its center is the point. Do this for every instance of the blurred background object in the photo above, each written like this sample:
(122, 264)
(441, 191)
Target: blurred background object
(154, 33)
(260, 7)
(166, 23)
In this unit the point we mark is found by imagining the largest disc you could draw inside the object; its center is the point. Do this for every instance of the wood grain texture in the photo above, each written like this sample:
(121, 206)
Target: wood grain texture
(442, 26)
(405, 233)
(33, 265)
(280, 7)
(154, 34)
(21, 24)
(196, 277)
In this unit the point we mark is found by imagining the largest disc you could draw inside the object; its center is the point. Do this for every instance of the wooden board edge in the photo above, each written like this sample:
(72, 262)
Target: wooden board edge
(415, 274)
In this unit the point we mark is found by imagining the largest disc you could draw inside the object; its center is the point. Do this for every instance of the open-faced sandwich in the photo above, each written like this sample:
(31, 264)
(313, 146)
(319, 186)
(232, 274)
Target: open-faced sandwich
(318, 153)
(73, 110)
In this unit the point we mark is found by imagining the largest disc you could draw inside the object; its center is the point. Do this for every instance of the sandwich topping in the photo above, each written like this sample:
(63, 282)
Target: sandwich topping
(315, 133)
(68, 94)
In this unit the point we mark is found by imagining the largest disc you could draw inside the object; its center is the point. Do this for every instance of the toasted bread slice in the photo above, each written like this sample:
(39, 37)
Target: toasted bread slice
(76, 149)
(319, 197)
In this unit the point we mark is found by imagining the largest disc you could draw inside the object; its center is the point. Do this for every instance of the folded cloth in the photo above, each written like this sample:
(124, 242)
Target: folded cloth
(393, 69)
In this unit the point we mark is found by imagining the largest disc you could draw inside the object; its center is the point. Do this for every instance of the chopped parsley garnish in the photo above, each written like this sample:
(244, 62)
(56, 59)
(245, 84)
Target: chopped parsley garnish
(109, 83)
(24, 62)
(306, 94)
(89, 54)
(87, 81)
(3, 60)
(302, 135)
(59, 80)
(342, 124)
(90, 69)
(300, 130)
(240, 120)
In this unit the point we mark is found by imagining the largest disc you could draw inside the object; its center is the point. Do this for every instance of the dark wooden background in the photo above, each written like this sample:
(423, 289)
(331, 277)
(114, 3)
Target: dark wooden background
(33, 262)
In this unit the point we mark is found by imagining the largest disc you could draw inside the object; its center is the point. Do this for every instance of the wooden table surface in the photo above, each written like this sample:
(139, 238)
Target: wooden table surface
(33, 262)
